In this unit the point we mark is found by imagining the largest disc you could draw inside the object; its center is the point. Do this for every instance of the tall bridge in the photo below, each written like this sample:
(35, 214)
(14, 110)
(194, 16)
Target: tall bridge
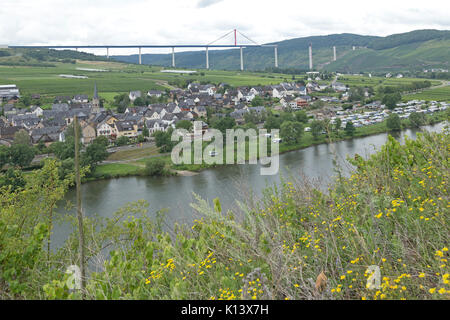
(139, 47)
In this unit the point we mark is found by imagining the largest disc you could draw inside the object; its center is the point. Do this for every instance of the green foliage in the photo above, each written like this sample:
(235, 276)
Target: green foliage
(95, 153)
(184, 124)
(350, 129)
(4, 155)
(163, 140)
(391, 100)
(122, 141)
(291, 131)
(25, 223)
(391, 212)
(393, 122)
(301, 116)
(21, 155)
(155, 167)
(417, 119)
(337, 124)
(257, 101)
(316, 128)
(13, 179)
(22, 137)
(64, 150)
(223, 124)
(272, 122)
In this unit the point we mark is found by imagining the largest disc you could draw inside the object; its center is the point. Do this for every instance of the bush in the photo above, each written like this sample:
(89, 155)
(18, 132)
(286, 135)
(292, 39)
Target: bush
(393, 122)
(122, 141)
(155, 167)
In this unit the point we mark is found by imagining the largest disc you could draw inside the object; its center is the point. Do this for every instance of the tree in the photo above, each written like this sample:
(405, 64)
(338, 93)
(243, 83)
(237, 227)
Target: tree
(301, 116)
(163, 140)
(4, 156)
(64, 150)
(12, 178)
(272, 123)
(291, 131)
(223, 124)
(184, 124)
(95, 153)
(155, 167)
(316, 128)
(21, 155)
(356, 94)
(257, 101)
(350, 129)
(145, 131)
(139, 101)
(337, 124)
(26, 100)
(393, 122)
(122, 141)
(70, 132)
(22, 137)
(391, 100)
(417, 119)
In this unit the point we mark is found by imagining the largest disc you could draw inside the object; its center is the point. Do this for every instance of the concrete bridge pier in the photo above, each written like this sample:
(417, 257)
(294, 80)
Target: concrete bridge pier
(207, 59)
(276, 56)
(242, 60)
(173, 57)
(140, 56)
(107, 53)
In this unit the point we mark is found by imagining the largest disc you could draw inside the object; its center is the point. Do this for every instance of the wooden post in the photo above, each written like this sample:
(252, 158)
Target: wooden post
(79, 212)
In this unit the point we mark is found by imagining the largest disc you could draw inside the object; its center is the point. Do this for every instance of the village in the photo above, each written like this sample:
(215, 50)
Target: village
(196, 102)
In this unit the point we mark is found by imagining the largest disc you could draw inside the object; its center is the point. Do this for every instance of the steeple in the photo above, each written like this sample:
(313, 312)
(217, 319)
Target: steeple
(95, 100)
(95, 90)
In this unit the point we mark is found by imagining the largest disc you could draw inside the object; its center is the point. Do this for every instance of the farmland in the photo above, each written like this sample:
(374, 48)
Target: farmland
(364, 81)
(433, 94)
(119, 78)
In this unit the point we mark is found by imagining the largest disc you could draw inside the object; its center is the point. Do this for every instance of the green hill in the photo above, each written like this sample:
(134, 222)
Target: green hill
(410, 51)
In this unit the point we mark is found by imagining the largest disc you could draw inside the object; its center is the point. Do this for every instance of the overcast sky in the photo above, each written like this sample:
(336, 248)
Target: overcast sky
(26, 22)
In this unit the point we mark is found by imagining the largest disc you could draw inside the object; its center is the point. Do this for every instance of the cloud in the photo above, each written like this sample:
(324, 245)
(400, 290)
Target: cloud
(170, 22)
(207, 3)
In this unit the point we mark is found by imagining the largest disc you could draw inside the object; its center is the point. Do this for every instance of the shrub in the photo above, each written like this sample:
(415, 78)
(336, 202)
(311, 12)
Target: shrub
(155, 167)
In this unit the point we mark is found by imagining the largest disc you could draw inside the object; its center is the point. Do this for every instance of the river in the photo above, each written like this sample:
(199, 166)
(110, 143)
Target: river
(229, 183)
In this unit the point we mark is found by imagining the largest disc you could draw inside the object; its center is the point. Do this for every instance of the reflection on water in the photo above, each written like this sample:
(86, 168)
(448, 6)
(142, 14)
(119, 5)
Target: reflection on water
(229, 183)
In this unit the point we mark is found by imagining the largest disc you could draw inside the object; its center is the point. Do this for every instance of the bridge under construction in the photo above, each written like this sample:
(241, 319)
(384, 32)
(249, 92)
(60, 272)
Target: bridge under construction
(173, 47)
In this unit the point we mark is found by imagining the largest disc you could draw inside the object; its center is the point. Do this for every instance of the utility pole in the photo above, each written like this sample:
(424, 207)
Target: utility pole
(79, 212)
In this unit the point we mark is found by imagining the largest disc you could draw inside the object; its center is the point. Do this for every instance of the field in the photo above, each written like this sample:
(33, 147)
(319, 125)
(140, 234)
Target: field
(119, 78)
(365, 81)
(434, 94)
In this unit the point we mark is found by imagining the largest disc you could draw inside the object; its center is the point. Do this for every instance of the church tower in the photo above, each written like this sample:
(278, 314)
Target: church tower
(95, 100)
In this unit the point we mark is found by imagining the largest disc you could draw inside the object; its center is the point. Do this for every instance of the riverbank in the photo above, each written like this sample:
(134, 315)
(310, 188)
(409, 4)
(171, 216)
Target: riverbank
(118, 170)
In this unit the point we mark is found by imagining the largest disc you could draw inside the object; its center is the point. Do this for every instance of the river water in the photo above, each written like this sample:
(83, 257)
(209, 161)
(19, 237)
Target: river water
(229, 183)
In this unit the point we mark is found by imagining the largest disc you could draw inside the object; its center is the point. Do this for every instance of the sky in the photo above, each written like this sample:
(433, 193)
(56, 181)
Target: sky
(101, 22)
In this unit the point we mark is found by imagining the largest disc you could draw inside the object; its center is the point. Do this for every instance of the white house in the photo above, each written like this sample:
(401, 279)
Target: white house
(134, 95)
